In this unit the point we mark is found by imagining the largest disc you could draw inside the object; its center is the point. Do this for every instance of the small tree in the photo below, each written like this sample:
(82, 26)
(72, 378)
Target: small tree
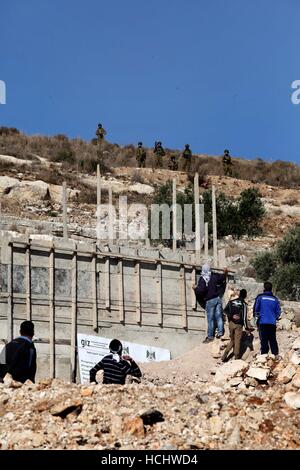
(251, 211)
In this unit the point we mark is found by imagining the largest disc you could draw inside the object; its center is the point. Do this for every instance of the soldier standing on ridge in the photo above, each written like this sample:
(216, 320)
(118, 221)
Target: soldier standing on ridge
(100, 133)
(141, 155)
(172, 164)
(227, 163)
(159, 153)
(187, 158)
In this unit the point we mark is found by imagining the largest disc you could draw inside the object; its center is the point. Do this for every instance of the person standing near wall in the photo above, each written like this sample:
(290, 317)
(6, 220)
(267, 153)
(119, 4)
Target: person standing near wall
(209, 291)
(267, 312)
(236, 311)
(20, 355)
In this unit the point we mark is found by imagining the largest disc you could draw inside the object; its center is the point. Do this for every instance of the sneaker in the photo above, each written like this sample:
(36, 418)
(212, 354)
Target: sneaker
(219, 336)
(208, 340)
(278, 358)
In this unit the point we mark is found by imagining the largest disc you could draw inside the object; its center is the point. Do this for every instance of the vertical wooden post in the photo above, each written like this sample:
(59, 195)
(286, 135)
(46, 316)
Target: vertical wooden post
(214, 221)
(10, 288)
(197, 218)
(110, 215)
(183, 297)
(98, 200)
(121, 292)
(51, 313)
(74, 316)
(64, 203)
(28, 283)
(107, 283)
(138, 292)
(159, 293)
(206, 242)
(94, 292)
(174, 214)
(193, 282)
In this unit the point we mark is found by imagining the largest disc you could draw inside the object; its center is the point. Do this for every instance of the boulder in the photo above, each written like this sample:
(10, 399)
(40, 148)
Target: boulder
(286, 375)
(292, 399)
(140, 188)
(134, 426)
(30, 191)
(230, 369)
(296, 343)
(296, 380)
(295, 359)
(258, 373)
(285, 324)
(7, 183)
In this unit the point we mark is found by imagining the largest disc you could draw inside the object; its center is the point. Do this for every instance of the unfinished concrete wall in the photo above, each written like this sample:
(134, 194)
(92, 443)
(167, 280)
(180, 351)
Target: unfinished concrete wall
(67, 287)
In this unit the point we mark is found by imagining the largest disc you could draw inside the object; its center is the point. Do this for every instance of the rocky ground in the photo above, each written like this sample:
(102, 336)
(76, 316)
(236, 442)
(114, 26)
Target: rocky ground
(242, 404)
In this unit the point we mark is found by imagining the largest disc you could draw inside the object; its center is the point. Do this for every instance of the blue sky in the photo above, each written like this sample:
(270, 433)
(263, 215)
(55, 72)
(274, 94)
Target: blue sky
(214, 73)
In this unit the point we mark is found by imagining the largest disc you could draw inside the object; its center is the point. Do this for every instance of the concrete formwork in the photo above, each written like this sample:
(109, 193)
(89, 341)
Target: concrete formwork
(67, 287)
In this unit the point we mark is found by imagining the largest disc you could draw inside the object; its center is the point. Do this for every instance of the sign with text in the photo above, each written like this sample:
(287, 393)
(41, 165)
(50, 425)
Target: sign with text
(91, 349)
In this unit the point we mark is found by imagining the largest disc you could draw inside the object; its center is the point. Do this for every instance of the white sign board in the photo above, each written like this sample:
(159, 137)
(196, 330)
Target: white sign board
(91, 349)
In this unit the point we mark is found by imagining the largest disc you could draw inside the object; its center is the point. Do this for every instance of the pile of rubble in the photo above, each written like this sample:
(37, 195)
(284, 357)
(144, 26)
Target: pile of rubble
(240, 405)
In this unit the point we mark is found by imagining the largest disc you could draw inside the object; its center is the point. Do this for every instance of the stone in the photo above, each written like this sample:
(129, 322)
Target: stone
(290, 316)
(285, 324)
(213, 389)
(87, 392)
(134, 426)
(262, 358)
(258, 373)
(286, 375)
(295, 359)
(235, 437)
(292, 399)
(62, 409)
(235, 381)
(151, 417)
(296, 379)
(230, 369)
(215, 424)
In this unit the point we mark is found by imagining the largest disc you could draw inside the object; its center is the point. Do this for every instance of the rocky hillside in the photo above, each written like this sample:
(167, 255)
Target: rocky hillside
(242, 404)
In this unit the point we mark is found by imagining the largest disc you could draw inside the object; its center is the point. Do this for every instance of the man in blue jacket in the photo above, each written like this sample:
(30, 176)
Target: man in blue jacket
(267, 312)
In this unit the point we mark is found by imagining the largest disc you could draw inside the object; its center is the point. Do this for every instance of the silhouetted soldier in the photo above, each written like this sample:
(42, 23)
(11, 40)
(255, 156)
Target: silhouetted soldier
(141, 155)
(100, 133)
(173, 165)
(227, 163)
(159, 153)
(187, 158)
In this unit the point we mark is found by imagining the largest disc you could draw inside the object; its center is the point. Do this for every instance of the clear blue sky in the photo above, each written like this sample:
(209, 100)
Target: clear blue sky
(214, 73)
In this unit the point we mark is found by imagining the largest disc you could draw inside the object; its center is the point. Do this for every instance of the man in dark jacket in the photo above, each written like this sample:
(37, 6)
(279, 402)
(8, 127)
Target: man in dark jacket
(267, 312)
(209, 293)
(20, 355)
(236, 311)
(115, 366)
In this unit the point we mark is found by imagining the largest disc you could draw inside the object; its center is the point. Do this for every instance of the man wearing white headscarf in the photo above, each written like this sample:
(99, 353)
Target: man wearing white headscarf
(209, 292)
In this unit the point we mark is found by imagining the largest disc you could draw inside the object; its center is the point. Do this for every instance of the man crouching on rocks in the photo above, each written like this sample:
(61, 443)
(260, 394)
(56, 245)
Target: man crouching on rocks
(115, 366)
(236, 311)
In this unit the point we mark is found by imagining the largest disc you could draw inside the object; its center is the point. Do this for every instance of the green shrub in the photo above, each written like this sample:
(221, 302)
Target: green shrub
(264, 265)
(65, 155)
(282, 266)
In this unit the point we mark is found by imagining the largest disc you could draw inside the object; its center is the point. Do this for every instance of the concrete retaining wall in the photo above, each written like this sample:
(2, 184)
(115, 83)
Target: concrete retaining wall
(67, 287)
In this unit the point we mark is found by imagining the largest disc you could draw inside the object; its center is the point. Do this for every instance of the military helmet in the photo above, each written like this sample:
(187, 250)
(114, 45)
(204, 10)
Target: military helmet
(158, 143)
(226, 151)
(140, 144)
(99, 125)
(187, 146)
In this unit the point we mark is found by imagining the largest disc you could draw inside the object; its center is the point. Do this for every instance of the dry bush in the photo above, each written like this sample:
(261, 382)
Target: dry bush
(291, 202)
(137, 178)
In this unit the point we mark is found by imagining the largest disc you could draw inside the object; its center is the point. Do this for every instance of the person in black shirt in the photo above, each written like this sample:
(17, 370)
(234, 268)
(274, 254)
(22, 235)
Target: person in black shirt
(115, 366)
(209, 292)
(236, 311)
(20, 355)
